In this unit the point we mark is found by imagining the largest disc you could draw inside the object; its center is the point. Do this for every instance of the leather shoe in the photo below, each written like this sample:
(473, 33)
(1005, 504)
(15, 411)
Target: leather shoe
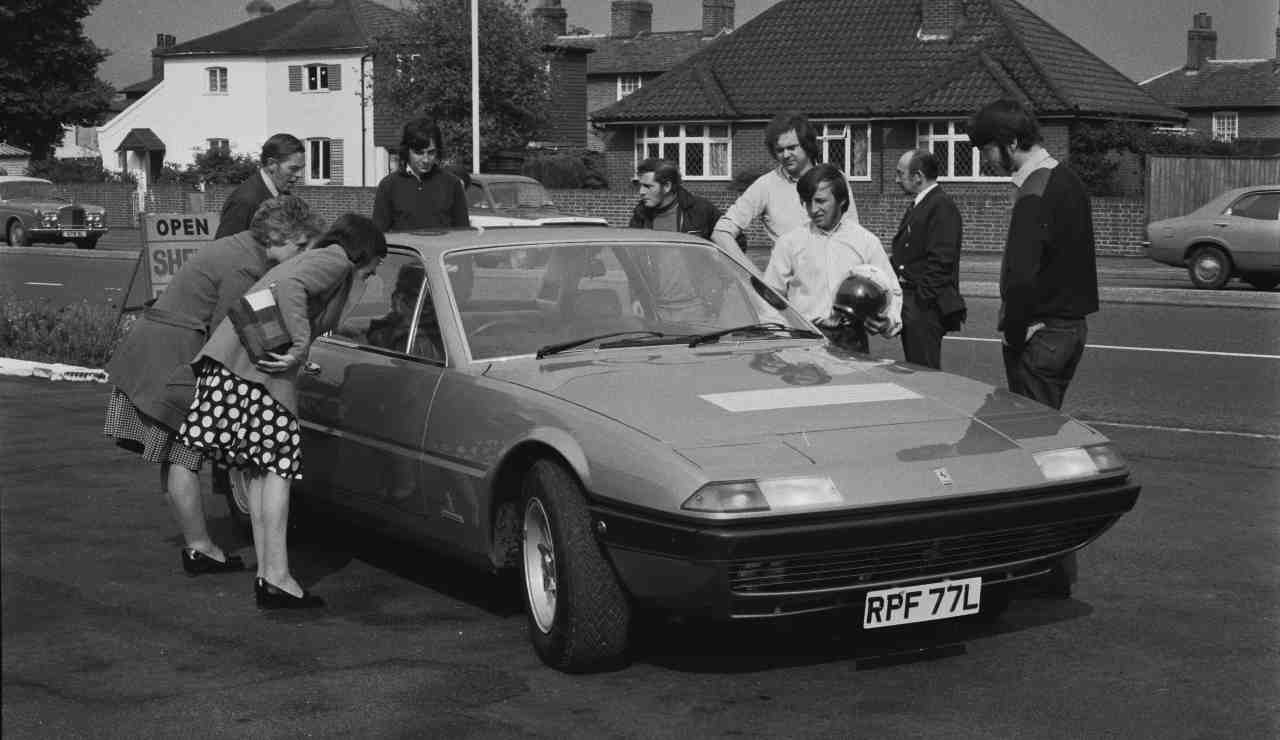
(197, 563)
(272, 597)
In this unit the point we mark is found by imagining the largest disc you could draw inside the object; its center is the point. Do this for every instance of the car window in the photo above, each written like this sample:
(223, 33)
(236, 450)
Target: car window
(395, 312)
(475, 196)
(1262, 206)
(512, 194)
(514, 300)
(33, 190)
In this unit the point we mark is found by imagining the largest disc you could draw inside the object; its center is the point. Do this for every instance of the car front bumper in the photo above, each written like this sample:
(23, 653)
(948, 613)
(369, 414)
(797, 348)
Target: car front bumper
(756, 569)
(65, 233)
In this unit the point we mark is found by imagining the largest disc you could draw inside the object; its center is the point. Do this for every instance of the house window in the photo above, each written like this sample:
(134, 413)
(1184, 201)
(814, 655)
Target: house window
(319, 161)
(628, 84)
(701, 151)
(1226, 125)
(317, 77)
(847, 146)
(217, 79)
(220, 145)
(958, 159)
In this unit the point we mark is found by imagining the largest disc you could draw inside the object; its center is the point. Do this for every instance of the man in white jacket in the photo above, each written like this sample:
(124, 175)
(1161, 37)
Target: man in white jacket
(809, 263)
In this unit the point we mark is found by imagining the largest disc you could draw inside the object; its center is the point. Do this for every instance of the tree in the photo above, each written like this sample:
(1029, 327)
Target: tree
(426, 70)
(48, 73)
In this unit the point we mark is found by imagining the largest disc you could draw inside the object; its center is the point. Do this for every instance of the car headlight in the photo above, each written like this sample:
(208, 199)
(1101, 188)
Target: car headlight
(93, 219)
(1078, 462)
(768, 494)
(47, 219)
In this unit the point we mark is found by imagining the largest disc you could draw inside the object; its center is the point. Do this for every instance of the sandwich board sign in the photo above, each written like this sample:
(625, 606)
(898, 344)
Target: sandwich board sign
(168, 240)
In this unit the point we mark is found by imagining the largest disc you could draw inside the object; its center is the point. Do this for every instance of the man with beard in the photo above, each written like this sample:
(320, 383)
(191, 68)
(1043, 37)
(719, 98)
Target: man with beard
(1048, 276)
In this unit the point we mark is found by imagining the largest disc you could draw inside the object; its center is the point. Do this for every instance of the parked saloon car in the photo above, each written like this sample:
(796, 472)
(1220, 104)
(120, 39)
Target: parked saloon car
(1237, 234)
(639, 421)
(515, 200)
(32, 211)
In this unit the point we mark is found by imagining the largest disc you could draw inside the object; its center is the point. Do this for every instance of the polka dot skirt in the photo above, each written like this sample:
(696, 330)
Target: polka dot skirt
(236, 422)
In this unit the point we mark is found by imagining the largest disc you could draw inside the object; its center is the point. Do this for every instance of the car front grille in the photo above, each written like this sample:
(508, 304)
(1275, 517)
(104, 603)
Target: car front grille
(881, 564)
(69, 216)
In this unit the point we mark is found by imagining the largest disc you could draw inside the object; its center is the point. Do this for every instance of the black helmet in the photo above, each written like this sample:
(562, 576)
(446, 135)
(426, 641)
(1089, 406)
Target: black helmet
(860, 297)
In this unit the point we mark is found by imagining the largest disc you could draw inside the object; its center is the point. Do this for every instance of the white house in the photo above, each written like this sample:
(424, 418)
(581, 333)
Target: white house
(302, 70)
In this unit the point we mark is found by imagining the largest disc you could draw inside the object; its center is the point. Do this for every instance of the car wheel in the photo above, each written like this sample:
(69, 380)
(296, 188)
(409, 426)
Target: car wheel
(579, 616)
(234, 485)
(1210, 268)
(17, 234)
(87, 243)
(1263, 281)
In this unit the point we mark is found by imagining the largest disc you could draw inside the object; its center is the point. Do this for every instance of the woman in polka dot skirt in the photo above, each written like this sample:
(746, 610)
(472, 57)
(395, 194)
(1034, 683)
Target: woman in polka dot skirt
(246, 414)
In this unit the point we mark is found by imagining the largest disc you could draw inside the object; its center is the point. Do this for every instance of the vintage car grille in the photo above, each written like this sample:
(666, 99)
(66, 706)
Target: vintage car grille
(69, 216)
(865, 566)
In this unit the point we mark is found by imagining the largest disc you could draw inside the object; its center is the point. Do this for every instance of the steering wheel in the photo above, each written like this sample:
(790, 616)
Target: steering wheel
(494, 323)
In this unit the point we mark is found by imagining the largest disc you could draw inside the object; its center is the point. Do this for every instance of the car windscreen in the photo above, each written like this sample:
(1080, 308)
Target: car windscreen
(519, 195)
(514, 301)
(31, 191)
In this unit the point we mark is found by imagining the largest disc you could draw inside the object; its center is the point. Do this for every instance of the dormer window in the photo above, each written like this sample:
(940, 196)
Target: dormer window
(628, 84)
(217, 80)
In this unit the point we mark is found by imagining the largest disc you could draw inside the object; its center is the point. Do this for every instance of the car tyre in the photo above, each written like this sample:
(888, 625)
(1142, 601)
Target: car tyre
(91, 243)
(232, 483)
(579, 616)
(1209, 268)
(17, 234)
(1263, 281)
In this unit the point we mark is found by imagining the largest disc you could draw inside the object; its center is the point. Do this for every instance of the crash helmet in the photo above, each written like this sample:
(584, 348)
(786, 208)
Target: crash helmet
(861, 295)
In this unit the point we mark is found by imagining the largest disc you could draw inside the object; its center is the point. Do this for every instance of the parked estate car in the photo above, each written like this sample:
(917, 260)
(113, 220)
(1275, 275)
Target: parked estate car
(31, 210)
(515, 200)
(632, 418)
(1237, 234)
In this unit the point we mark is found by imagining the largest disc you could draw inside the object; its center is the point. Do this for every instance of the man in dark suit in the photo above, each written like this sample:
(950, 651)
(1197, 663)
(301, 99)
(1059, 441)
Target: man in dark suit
(926, 258)
(282, 162)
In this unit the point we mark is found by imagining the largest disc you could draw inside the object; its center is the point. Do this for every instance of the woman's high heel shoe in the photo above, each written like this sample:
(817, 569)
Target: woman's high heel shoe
(271, 597)
(197, 563)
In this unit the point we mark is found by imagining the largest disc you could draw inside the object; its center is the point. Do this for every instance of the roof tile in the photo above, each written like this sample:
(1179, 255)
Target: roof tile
(307, 25)
(1221, 83)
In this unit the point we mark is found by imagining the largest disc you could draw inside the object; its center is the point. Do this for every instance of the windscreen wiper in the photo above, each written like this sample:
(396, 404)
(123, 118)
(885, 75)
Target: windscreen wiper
(551, 349)
(767, 326)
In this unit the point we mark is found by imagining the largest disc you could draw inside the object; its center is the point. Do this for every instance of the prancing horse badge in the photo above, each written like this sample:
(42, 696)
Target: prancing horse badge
(943, 476)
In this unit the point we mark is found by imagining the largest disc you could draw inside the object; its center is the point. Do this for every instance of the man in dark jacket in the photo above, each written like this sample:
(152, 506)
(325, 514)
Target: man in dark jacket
(1048, 276)
(926, 259)
(666, 206)
(282, 162)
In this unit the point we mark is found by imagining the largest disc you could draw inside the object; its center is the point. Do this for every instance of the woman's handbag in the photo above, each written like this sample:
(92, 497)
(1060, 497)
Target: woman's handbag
(257, 321)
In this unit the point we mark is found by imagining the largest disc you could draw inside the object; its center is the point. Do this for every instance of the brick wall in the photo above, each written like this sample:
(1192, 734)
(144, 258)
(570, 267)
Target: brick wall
(119, 199)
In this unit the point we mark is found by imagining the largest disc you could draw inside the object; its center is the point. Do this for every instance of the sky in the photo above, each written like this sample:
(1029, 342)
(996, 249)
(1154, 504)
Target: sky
(1141, 38)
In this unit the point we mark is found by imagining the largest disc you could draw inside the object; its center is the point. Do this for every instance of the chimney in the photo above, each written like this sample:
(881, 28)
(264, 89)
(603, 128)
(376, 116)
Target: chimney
(631, 17)
(550, 18)
(259, 8)
(717, 16)
(1202, 41)
(163, 41)
(1278, 40)
(939, 19)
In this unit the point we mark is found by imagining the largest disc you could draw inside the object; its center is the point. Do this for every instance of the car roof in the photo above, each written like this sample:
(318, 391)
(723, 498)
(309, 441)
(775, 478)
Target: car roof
(22, 178)
(432, 243)
(493, 177)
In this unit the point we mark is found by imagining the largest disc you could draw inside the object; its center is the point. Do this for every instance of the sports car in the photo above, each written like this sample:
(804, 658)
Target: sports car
(633, 420)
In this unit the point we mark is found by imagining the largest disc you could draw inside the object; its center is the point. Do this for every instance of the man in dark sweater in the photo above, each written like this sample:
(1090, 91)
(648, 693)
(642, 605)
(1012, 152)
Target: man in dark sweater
(421, 194)
(1048, 277)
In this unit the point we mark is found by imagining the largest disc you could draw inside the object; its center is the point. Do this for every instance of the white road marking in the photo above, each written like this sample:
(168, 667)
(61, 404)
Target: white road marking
(1168, 350)
(784, 398)
(45, 285)
(1185, 430)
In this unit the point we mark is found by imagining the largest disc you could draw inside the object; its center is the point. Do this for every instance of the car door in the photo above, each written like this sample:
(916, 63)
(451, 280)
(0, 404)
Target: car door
(1255, 231)
(378, 373)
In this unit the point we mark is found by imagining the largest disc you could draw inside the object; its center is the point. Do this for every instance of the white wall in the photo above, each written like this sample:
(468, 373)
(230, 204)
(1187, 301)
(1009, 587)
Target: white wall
(257, 104)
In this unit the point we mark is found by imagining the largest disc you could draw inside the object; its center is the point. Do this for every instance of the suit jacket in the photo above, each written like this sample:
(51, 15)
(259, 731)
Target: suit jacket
(311, 291)
(151, 365)
(238, 211)
(926, 253)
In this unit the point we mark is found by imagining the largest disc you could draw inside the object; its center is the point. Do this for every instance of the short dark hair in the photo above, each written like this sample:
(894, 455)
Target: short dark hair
(925, 162)
(359, 238)
(792, 121)
(279, 147)
(417, 134)
(1005, 122)
(664, 171)
(810, 181)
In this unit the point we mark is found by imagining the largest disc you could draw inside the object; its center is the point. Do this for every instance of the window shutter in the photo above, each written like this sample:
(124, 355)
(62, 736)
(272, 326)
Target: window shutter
(295, 78)
(335, 76)
(335, 158)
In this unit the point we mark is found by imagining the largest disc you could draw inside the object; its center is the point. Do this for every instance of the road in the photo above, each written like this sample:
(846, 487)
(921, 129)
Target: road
(1174, 630)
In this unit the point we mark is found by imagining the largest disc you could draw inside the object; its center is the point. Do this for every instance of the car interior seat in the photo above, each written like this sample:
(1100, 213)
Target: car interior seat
(597, 310)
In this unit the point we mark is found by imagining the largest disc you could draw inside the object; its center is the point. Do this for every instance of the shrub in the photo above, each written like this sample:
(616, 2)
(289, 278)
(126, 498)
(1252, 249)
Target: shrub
(82, 333)
(566, 170)
(213, 167)
(87, 169)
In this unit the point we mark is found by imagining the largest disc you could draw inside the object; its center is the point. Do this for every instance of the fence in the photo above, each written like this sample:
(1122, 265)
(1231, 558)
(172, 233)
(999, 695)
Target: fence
(1179, 185)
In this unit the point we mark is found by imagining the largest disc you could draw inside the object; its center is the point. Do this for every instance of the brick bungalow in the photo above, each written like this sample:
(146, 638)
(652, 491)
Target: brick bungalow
(1231, 99)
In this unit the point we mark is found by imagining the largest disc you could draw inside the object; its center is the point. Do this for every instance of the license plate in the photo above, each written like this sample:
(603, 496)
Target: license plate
(68, 234)
(926, 602)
